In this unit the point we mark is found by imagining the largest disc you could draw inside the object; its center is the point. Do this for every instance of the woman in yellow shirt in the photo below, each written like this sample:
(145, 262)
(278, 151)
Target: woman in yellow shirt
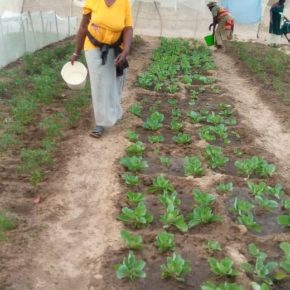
(105, 34)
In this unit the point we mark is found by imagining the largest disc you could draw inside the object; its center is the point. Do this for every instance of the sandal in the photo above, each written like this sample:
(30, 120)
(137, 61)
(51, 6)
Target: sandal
(97, 132)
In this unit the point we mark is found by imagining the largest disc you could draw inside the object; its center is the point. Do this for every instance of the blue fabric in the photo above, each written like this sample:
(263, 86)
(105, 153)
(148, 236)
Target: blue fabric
(244, 11)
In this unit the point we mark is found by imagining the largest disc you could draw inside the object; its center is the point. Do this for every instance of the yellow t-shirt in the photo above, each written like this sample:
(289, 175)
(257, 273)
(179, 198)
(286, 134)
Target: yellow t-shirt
(107, 23)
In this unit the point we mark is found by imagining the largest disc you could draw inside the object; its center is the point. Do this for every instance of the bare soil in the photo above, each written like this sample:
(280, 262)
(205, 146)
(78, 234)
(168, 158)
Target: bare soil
(71, 240)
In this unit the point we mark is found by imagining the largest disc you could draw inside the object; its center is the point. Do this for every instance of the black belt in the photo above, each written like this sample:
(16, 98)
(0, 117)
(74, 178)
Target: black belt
(104, 48)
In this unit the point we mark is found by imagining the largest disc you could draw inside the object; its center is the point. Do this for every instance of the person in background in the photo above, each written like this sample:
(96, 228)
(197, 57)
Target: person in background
(224, 22)
(105, 34)
(276, 18)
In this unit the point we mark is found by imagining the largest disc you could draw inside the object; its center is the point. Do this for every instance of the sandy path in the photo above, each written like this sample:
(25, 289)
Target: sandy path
(271, 134)
(79, 216)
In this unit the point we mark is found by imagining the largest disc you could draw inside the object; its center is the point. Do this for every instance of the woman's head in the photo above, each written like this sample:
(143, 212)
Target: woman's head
(211, 4)
(281, 2)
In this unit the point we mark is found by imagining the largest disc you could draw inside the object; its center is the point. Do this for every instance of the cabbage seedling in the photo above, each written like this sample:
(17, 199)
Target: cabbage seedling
(223, 286)
(176, 267)
(131, 268)
(133, 242)
(222, 267)
(225, 187)
(134, 163)
(193, 166)
(165, 242)
(130, 179)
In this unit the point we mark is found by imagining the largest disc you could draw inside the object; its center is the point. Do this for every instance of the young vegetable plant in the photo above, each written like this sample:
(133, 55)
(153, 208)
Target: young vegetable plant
(257, 188)
(255, 166)
(172, 217)
(182, 138)
(137, 217)
(213, 246)
(203, 199)
(176, 267)
(134, 163)
(135, 198)
(266, 204)
(223, 286)
(131, 268)
(132, 136)
(261, 270)
(176, 125)
(222, 267)
(172, 102)
(175, 113)
(136, 149)
(215, 157)
(130, 179)
(193, 166)
(154, 121)
(248, 221)
(165, 161)
(213, 118)
(225, 187)
(284, 220)
(136, 109)
(242, 207)
(286, 203)
(161, 185)
(168, 200)
(285, 264)
(155, 139)
(165, 242)
(202, 215)
(195, 117)
(133, 242)
(256, 286)
(276, 191)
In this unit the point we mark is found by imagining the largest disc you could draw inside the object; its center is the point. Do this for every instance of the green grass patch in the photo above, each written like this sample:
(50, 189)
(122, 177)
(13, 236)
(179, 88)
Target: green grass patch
(6, 223)
(268, 64)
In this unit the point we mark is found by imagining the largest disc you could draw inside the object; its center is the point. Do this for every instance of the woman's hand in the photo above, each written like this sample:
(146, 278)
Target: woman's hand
(121, 58)
(74, 57)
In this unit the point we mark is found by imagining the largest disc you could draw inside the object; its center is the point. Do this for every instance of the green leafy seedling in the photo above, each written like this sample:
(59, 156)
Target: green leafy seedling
(136, 149)
(132, 136)
(130, 179)
(136, 109)
(155, 139)
(176, 267)
(133, 242)
(223, 286)
(193, 166)
(138, 217)
(161, 185)
(182, 138)
(202, 215)
(222, 267)
(131, 268)
(276, 191)
(135, 198)
(213, 246)
(257, 188)
(203, 199)
(165, 242)
(225, 187)
(165, 161)
(134, 163)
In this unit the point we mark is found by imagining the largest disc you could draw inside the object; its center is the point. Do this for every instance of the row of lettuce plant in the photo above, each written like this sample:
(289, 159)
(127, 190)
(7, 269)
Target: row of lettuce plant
(175, 62)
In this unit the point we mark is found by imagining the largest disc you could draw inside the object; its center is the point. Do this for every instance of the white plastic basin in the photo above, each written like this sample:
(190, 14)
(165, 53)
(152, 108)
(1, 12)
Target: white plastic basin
(74, 75)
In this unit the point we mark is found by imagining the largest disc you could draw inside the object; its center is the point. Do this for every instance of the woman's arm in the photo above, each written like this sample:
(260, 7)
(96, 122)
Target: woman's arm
(127, 40)
(80, 39)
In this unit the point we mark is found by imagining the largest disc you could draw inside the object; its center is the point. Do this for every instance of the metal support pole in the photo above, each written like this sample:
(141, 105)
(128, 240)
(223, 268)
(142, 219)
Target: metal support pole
(56, 26)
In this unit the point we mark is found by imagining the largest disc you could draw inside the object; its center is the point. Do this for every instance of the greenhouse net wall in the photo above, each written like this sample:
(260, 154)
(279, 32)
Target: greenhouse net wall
(28, 32)
(32, 30)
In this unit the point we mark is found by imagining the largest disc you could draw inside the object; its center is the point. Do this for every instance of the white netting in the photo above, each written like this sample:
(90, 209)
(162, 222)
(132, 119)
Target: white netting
(178, 18)
(27, 32)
